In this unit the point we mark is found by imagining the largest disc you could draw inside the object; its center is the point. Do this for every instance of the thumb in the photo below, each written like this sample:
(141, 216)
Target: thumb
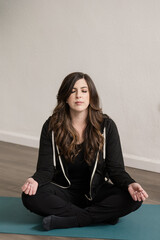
(139, 188)
(132, 193)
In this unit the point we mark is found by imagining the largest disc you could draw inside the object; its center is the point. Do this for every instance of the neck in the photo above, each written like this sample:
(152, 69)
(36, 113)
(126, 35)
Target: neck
(79, 118)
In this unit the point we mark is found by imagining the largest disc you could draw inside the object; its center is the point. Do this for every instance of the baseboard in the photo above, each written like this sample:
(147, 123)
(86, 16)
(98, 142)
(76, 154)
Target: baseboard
(142, 163)
(130, 160)
(20, 139)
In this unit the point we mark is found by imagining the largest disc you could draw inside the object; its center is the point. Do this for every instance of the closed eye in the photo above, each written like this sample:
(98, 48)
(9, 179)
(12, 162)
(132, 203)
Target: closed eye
(83, 91)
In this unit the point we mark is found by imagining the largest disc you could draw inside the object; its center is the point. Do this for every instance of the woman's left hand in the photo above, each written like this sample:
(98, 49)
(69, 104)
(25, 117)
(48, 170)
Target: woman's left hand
(137, 192)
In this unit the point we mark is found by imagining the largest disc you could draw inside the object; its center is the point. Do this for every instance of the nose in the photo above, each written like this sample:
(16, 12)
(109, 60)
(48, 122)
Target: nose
(78, 94)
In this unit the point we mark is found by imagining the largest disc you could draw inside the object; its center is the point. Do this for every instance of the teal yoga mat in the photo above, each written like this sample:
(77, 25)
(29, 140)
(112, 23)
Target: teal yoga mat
(139, 225)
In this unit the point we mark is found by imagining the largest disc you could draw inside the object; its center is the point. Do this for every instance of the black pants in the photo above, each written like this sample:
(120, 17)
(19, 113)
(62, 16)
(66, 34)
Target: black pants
(110, 202)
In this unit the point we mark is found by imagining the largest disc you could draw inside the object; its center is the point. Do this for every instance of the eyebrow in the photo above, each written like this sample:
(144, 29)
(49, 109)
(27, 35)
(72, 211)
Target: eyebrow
(81, 87)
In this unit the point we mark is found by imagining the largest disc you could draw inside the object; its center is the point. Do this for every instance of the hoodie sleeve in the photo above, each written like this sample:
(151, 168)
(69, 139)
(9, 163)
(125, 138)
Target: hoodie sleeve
(114, 158)
(44, 171)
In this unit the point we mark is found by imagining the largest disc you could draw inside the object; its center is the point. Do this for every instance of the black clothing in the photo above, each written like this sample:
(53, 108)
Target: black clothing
(106, 165)
(111, 202)
(78, 173)
(54, 222)
(77, 190)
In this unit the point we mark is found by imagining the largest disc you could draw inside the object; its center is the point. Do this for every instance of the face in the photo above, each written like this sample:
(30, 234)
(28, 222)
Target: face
(79, 98)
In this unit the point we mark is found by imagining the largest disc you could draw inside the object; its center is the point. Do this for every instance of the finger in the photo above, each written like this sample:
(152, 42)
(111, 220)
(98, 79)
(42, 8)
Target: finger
(132, 193)
(25, 186)
(34, 190)
(142, 197)
(31, 189)
(35, 186)
(139, 188)
(28, 189)
(139, 197)
(145, 194)
(135, 196)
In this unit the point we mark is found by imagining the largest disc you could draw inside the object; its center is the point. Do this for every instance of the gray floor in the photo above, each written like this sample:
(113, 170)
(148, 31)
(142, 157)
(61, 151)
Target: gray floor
(17, 163)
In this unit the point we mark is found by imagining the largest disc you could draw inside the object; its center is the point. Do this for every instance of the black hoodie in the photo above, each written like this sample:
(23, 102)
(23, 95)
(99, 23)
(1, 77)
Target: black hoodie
(107, 165)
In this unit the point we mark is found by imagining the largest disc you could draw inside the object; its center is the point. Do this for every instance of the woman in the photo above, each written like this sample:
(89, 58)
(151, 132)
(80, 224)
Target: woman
(80, 178)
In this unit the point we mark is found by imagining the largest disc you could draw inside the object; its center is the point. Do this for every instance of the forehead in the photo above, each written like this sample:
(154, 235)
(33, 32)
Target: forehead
(80, 83)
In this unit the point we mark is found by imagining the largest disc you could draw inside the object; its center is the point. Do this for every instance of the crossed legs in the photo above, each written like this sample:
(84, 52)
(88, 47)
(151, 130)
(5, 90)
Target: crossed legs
(67, 211)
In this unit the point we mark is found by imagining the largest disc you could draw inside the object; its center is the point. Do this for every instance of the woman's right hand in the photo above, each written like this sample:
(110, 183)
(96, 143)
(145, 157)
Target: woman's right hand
(30, 187)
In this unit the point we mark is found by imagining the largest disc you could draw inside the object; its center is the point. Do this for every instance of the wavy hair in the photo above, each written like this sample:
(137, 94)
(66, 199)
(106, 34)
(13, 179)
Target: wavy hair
(66, 137)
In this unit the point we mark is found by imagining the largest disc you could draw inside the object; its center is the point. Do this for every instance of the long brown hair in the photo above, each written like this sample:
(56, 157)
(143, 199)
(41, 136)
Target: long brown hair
(66, 136)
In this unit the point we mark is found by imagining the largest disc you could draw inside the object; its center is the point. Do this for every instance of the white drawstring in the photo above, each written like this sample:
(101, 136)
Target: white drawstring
(104, 145)
(54, 153)
(60, 160)
(94, 170)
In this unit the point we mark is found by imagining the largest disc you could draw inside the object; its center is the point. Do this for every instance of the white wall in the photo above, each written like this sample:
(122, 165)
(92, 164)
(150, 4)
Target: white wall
(117, 42)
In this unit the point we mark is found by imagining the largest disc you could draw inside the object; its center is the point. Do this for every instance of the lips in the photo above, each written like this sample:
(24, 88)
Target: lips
(78, 102)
